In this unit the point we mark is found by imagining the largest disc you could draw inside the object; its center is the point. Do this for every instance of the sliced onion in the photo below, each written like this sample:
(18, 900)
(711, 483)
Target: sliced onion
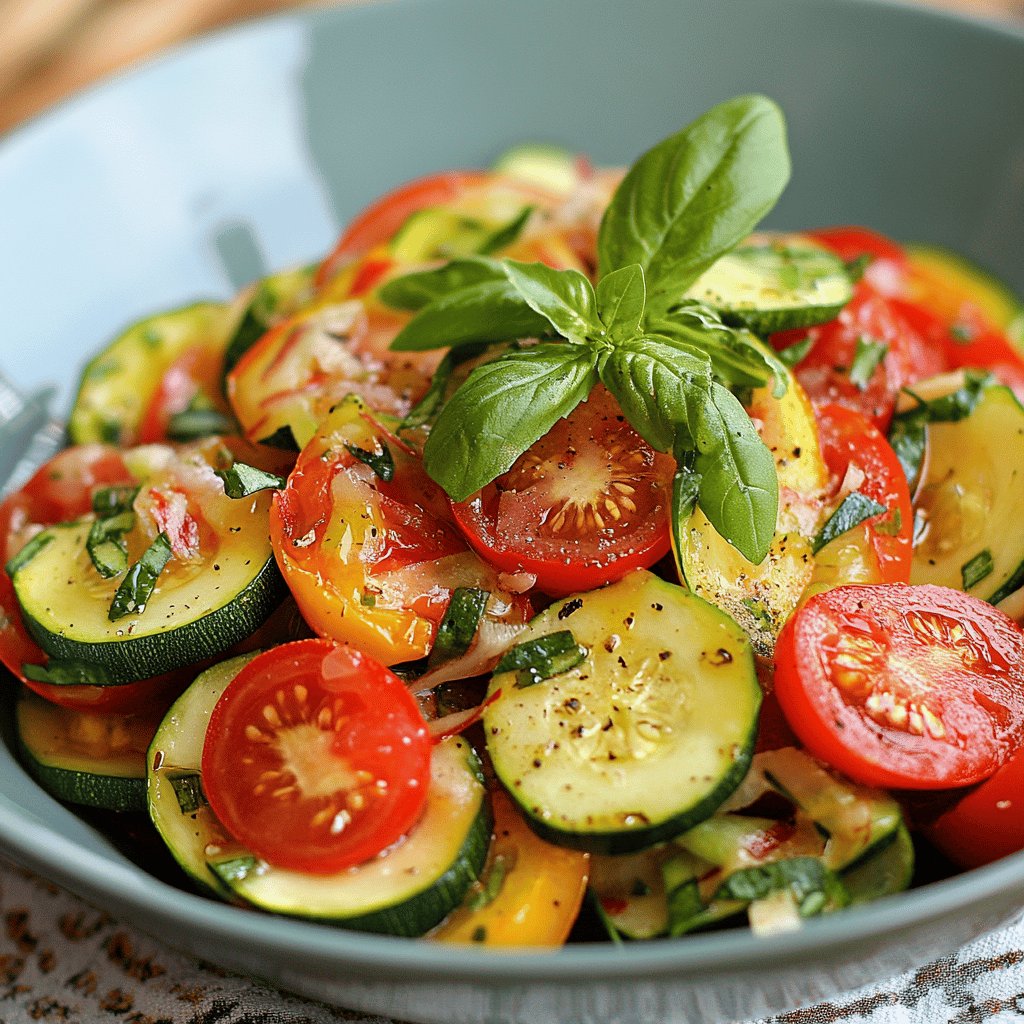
(457, 722)
(492, 640)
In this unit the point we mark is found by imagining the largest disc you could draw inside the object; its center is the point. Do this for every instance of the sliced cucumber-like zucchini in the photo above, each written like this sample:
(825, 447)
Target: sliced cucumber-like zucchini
(118, 385)
(761, 598)
(408, 889)
(444, 233)
(98, 760)
(967, 506)
(542, 164)
(639, 735)
(775, 283)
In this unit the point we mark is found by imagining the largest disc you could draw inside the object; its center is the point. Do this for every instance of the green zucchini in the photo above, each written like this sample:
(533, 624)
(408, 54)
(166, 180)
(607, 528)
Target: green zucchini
(775, 283)
(440, 233)
(967, 505)
(637, 730)
(118, 385)
(98, 760)
(541, 164)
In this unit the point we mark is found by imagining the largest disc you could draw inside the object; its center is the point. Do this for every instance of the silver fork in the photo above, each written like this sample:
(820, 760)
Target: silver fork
(29, 434)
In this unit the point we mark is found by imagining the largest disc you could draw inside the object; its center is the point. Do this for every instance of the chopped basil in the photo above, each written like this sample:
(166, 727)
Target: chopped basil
(962, 334)
(242, 480)
(28, 552)
(852, 511)
(139, 582)
(380, 462)
(682, 895)
(855, 268)
(506, 234)
(977, 568)
(892, 526)
(491, 887)
(188, 788)
(281, 438)
(793, 354)
(193, 424)
(427, 408)
(106, 545)
(459, 625)
(110, 501)
(868, 355)
(814, 886)
(536, 660)
(68, 672)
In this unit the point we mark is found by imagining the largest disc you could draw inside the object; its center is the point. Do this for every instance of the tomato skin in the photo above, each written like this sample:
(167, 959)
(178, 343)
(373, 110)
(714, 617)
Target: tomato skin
(903, 687)
(379, 221)
(987, 823)
(308, 735)
(848, 439)
(523, 521)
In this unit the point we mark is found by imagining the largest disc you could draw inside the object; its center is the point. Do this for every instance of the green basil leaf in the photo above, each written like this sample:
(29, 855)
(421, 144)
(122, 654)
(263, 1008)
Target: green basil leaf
(488, 311)
(739, 487)
(193, 424)
(853, 510)
(659, 387)
(621, 298)
(696, 195)
(868, 354)
(109, 501)
(814, 886)
(564, 297)
(68, 672)
(427, 408)
(533, 661)
(242, 480)
(504, 236)
(106, 546)
(793, 354)
(382, 462)
(977, 568)
(459, 625)
(685, 492)
(503, 408)
(138, 585)
(414, 291)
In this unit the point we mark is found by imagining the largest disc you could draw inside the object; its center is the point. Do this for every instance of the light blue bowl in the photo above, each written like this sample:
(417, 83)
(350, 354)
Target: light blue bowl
(249, 150)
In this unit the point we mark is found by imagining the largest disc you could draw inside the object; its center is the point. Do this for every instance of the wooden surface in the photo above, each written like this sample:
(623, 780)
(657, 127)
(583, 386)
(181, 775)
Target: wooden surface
(50, 48)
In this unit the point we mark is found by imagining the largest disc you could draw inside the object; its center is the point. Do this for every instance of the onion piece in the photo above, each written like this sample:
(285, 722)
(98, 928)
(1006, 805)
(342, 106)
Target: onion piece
(451, 725)
(493, 638)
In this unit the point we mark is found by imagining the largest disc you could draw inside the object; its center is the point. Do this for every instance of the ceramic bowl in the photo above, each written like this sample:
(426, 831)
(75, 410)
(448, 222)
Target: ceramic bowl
(248, 150)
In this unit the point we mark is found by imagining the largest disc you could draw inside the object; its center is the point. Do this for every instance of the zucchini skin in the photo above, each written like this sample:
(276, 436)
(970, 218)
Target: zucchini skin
(106, 792)
(130, 659)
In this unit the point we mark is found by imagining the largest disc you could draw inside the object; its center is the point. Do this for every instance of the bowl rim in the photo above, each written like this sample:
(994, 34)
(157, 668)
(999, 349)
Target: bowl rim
(162, 909)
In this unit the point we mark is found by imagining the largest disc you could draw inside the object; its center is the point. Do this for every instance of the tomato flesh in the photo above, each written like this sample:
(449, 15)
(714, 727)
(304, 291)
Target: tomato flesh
(899, 686)
(316, 757)
(584, 506)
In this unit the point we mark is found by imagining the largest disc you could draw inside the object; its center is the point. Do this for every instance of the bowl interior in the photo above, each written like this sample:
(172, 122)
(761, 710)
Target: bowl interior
(247, 151)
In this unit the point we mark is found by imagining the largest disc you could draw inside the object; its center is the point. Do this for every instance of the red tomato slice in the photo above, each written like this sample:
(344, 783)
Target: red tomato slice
(825, 370)
(899, 686)
(316, 757)
(585, 505)
(856, 453)
(886, 271)
(988, 823)
(377, 223)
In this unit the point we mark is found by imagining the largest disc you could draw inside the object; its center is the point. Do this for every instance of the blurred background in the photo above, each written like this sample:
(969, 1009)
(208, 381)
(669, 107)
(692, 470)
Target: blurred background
(50, 48)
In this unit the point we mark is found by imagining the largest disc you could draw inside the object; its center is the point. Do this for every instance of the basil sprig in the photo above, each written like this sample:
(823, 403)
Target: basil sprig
(670, 363)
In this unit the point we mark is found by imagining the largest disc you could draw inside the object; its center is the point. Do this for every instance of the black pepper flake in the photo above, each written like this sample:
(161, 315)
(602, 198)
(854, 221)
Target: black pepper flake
(569, 608)
(664, 655)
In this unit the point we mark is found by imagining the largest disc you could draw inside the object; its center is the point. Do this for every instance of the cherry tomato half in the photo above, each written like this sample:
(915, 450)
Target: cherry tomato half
(316, 757)
(988, 823)
(899, 686)
(585, 505)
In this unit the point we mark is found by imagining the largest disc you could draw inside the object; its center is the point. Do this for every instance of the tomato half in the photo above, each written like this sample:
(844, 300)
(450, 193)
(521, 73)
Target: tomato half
(987, 823)
(859, 457)
(585, 505)
(316, 757)
(825, 372)
(899, 686)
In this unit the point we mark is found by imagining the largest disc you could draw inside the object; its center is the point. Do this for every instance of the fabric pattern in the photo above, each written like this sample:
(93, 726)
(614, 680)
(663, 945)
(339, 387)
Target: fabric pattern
(62, 960)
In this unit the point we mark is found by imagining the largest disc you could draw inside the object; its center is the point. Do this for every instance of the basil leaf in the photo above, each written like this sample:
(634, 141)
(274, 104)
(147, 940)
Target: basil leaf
(695, 195)
(739, 487)
(507, 233)
(658, 386)
(621, 298)
(424, 411)
(28, 552)
(459, 625)
(533, 661)
(382, 462)
(685, 492)
(868, 354)
(188, 788)
(106, 546)
(138, 585)
(976, 569)
(242, 480)
(853, 510)
(814, 886)
(68, 672)
(414, 291)
(793, 354)
(503, 408)
(193, 424)
(109, 501)
(565, 298)
(486, 311)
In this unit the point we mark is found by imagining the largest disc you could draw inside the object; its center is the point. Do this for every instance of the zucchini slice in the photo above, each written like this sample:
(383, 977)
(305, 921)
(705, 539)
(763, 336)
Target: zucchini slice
(118, 385)
(761, 598)
(775, 283)
(967, 506)
(542, 164)
(83, 757)
(201, 603)
(634, 738)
